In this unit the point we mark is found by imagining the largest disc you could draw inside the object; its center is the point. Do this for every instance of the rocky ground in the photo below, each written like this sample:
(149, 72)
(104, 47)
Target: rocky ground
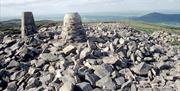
(115, 57)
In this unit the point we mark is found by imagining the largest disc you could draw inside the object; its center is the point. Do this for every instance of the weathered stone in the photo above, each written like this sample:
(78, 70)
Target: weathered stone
(46, 78)
(92, 61)
(33, 82)
(31, 70)
(69, 49)
(103, 70)
(119, 80)
(13, 63)
(67, 86)
(92, 78)
(111, 59)
(48, 57)
(126, 86)
(177, 84)
(84, 86)
(28, 26)
(84, 53)
(148, 59)
(106, 83)
(51, 69)
(11, 87)
(141, 69)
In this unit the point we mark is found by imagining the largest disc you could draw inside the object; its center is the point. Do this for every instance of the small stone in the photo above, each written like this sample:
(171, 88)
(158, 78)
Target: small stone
(69, 49)
(126, 86)
(110, 60)
(106, 83)
(84, 53)
(177, 84)
(58, 73)
(13, 63)
(119, 80)
(33, 82)
(46, 78)
(121, 41)
(148, 59)
(97, 89)
(84, 86)
(31, 71)
(67, 86)
(92, 78)
(92, 61)
(11, 87)
(39, 63)
(48, 57)
(164, 65)
(51, 69)
(141, 69)
(133, 87)
(103, 70)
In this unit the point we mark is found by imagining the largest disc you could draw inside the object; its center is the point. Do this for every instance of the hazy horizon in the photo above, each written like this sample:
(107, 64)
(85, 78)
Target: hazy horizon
(12, 9)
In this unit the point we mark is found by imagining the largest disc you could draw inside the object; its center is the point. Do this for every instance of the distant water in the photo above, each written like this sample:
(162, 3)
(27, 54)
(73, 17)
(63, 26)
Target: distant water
(84, 16)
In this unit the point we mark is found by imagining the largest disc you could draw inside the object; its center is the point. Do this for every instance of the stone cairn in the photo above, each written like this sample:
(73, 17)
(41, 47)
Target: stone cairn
(72, 28)
(28, 26)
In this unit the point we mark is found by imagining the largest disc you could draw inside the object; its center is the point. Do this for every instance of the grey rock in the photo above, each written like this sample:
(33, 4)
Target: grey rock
(17, 75)
(48, 57)
(106, 83)
(103, 70)
(126, 86)
(111, 59)
(84, 86)
(92, 78)
(148, 59)
(119, 80)
(33, 82)
(11, 87)
(69, 49)
(177, 84)
(13, 63)
(84, 53)
(141, 69)
(97, 89)
(67, 86)
(47, 78)
(92, 61)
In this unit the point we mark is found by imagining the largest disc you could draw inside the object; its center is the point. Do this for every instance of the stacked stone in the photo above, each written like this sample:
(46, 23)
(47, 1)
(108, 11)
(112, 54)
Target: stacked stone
(72, 28)
(28, 26)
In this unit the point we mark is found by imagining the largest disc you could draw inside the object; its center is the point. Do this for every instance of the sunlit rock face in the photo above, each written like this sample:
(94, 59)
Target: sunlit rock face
(28, 26)
(72, 28)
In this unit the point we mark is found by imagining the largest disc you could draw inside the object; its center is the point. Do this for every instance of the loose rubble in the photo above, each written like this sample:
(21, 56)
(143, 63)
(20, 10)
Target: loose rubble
(96, 57)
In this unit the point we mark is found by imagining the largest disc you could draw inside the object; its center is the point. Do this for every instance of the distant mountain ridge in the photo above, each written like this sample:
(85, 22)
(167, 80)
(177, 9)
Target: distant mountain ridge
(159, 17)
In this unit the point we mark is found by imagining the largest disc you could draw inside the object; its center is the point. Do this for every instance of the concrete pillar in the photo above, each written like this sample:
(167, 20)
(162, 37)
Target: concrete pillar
(28, 26)
(72, 28)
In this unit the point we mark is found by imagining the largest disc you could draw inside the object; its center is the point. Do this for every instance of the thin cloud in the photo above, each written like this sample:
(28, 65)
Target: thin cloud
(42, 7)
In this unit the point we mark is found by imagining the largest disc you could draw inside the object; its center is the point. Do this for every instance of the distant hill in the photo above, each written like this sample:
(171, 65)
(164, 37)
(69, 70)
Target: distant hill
(159, 17)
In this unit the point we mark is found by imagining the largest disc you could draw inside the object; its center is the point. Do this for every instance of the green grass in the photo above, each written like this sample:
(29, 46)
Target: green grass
(150, 28)
(13, 27)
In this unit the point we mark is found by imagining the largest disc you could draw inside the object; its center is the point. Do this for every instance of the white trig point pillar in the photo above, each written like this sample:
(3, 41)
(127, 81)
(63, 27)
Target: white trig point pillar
(72, 28)
(28, 26)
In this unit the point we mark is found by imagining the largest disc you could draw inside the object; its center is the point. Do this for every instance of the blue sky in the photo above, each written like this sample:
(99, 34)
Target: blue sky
(47, 7)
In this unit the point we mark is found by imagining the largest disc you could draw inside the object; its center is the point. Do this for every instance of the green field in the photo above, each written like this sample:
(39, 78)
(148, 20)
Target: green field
(150, 28)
